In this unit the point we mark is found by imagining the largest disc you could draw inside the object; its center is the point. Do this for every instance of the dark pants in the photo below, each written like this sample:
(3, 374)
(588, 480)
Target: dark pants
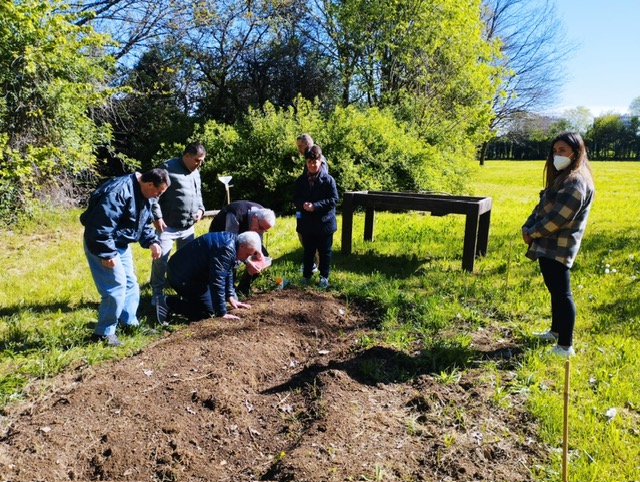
(563, 310)
(321, 244)
(193, 300)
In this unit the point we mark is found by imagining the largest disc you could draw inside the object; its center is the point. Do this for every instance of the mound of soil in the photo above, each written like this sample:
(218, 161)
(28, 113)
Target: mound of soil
(284, 394)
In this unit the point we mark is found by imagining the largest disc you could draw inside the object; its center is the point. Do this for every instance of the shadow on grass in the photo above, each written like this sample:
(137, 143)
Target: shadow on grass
(392, 266)
(385, 365)
(18, 339)
(623, 240)
(621, 315)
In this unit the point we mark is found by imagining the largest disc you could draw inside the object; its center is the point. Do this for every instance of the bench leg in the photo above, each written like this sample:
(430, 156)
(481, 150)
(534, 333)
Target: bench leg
(369, 218)
(470, 237)
(347, 223)
(483, 234)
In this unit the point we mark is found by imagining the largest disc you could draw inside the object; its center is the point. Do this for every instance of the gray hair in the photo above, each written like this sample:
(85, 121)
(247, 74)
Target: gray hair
(306, 138)
(251, 240)
(267, 215)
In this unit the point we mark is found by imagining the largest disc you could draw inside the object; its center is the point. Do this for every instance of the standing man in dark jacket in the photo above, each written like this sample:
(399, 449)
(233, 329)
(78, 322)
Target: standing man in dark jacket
(119, 213)
(315, 197)
(176, 213)
(202, 275)
(304, 142)
(240, 217)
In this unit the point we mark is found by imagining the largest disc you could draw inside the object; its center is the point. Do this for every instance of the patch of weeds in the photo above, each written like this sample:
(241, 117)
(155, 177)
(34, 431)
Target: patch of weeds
(446, 377)
(449, 439)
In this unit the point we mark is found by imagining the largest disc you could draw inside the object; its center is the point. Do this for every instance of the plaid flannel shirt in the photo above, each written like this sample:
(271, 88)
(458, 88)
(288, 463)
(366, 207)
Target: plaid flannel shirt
(558, 222)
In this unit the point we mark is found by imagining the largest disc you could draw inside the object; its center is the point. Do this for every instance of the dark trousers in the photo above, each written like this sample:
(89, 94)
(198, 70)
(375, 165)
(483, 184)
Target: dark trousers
(322, 244)
(563, 310)
(193, 300)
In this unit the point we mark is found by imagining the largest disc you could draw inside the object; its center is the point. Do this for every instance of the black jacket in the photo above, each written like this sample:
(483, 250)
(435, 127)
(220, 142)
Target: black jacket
(324, 196)
(234, 217)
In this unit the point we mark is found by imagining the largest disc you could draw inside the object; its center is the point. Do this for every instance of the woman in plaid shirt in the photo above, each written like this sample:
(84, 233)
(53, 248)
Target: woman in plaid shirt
(554, 231)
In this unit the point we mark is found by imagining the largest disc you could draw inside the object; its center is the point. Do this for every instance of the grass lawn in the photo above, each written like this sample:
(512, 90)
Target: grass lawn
(411, 274)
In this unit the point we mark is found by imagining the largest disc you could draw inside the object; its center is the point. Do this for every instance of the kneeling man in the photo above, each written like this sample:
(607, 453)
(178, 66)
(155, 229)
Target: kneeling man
(201, 273)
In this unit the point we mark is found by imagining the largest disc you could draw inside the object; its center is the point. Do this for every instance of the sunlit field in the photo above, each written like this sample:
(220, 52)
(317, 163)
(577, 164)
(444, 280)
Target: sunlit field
(411, 275)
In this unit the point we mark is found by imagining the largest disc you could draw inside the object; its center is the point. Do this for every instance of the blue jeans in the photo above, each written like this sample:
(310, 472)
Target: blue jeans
(159, 266)
(118, 287)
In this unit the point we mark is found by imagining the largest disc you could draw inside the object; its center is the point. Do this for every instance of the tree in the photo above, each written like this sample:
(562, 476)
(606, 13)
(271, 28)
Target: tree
(533, 48)
(424, 59)
(52, 76)
(579, 119)
(634, 107)
(133, 25)
(155, 111)
(605, 135)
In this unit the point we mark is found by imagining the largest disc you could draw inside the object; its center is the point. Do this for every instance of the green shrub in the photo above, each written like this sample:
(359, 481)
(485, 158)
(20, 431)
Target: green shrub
(367, 149)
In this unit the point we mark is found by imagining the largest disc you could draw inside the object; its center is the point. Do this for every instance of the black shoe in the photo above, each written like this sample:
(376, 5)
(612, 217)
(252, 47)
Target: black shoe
(162, 311)
(110, 340)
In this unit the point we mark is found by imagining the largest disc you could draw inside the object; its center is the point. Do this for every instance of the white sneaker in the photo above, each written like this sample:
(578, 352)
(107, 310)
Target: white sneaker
(313, 269)
(546, 336)
(563, 352)
(324, 282)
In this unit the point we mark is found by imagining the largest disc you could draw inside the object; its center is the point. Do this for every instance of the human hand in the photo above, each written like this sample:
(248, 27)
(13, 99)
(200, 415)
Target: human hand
(238, 304)
(257, 263)
(526, 238)
(160, 225)
(308, 207)
(229, 316)
(156, 251)
(108, 263)
(252, 268)
(198, 216)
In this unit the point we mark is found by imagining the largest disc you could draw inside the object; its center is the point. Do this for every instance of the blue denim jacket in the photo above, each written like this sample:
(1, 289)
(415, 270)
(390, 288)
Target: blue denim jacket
(118, 214)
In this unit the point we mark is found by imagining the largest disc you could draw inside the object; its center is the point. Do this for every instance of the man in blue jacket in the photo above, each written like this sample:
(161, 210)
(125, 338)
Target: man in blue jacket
(178, 210)
(202, 274)
(119, 213)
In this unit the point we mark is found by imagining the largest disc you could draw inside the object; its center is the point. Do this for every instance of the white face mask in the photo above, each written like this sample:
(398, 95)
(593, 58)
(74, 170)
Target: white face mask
(561, 162)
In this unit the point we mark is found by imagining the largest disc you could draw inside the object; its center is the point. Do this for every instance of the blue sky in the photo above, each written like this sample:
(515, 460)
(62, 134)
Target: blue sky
(604, 73)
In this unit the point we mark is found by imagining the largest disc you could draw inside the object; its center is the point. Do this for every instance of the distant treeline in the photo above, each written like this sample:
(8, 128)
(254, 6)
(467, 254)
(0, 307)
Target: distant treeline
(610, 137)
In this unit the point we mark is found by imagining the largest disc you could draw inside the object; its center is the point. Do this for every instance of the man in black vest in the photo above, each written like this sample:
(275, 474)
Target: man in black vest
(239, 217)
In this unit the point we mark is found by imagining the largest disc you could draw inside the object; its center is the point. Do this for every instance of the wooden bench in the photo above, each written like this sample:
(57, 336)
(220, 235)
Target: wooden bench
(476, 209)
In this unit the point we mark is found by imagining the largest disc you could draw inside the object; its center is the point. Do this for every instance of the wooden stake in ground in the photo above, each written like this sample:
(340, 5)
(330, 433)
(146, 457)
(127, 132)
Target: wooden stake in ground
(565, 435)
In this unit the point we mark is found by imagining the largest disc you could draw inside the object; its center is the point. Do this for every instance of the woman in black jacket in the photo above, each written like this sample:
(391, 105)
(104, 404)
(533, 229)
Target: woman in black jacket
(315, 197)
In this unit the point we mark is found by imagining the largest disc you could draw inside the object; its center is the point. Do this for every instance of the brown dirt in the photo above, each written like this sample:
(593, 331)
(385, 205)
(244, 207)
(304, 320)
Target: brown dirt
(284, 394)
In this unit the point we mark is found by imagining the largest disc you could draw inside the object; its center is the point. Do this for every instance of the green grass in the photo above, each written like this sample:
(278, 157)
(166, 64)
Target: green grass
(426, 306)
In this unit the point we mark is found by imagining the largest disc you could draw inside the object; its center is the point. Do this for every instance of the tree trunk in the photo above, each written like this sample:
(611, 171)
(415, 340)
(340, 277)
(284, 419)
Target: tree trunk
(483, 152)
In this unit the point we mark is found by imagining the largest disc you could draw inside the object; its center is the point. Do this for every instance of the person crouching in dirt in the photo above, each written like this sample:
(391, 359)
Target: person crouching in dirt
(201, 273)
(240, 217)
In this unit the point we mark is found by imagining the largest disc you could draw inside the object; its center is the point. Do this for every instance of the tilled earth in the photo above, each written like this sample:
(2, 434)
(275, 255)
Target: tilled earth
(287, 393)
